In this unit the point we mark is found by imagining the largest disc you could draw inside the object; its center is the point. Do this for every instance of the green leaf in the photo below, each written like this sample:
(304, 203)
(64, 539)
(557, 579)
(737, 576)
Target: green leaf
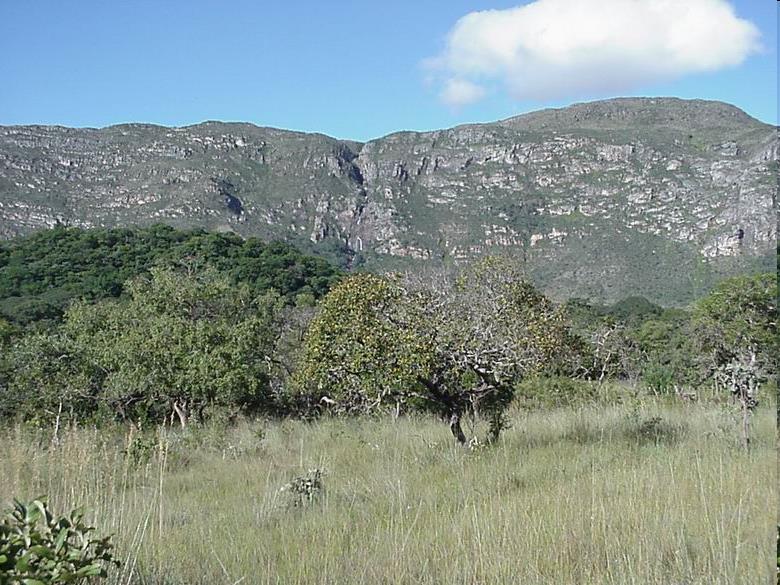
(60, 540)
(93, 570)
(22, 564)
(39, 511)
(42, 551)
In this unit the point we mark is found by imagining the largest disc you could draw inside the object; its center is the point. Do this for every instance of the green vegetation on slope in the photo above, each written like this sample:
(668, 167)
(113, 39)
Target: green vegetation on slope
(41, 274)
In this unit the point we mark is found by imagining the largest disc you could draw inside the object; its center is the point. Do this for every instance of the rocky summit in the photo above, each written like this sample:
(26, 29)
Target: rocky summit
(653, 196)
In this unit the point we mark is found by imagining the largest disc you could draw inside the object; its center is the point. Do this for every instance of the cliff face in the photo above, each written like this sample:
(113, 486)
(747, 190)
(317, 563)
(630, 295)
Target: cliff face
(629, 196)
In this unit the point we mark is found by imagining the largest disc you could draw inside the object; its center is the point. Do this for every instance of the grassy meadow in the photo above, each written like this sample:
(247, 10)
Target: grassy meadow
(652, 493)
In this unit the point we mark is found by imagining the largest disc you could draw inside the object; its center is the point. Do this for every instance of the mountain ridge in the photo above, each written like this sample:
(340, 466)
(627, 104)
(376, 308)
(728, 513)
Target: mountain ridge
(584, 194)
(525, 115)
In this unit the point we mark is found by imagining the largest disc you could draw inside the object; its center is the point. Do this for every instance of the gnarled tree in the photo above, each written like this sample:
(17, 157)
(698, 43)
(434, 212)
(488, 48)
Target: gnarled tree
(456, 345)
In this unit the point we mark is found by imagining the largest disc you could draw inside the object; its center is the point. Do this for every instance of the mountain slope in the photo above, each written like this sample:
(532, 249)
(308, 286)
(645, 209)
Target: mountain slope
(629, 196)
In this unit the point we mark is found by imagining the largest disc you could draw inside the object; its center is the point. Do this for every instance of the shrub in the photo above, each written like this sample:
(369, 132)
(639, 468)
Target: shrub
(554, 391)
(658, 378)
(38, 548)
(140, 449)
(305, 489)
(652, 430)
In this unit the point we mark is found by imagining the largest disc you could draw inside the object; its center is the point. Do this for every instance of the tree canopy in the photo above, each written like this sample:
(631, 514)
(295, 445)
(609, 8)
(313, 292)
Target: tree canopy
(740, 316)
(40, 275)
(180, 343)
(454, 345)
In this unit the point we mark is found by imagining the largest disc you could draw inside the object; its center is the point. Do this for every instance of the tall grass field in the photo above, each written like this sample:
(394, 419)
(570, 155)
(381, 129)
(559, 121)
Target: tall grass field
(646, 494)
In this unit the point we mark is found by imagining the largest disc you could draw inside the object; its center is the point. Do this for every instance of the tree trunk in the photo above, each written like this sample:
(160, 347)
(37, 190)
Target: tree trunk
(745, 424)
(456, 429)
(181, 411)
(497, 424)
(55, 440)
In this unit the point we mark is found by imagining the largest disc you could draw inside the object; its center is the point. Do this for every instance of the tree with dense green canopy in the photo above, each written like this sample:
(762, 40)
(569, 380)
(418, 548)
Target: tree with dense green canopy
(362, 348)
(179, 344)
(458, 346)
(48, 374)
(738, 316)
(737, 328)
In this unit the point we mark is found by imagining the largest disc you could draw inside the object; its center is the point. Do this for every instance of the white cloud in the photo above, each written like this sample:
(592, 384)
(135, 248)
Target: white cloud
(460, 92)
(563, 48)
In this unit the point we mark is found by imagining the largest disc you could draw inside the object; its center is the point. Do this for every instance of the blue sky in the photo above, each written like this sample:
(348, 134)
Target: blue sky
(350, 69)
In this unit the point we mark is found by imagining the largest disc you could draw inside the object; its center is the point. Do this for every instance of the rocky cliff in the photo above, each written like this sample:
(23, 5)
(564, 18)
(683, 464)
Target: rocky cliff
(629, 196)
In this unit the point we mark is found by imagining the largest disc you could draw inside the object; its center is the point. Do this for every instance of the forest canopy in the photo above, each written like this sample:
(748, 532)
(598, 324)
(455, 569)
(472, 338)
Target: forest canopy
(41, 274)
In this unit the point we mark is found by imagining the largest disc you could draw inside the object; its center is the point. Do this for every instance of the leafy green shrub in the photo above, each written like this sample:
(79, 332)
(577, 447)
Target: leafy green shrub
(658, 378)
(182, 344)
(140, 449)
(554, 391)
(49, 376)
(38, 548)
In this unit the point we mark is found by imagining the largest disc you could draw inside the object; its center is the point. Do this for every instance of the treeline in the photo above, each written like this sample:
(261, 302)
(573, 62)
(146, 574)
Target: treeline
(211, 325)
(41, 274)
(177, 343)
(663, 349)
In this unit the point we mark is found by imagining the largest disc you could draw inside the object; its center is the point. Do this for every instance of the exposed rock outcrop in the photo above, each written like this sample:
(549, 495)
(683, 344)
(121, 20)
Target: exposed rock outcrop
(601, 199)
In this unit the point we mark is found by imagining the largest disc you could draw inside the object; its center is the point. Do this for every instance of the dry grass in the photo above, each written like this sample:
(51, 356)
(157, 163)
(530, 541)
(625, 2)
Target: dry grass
(585, 496)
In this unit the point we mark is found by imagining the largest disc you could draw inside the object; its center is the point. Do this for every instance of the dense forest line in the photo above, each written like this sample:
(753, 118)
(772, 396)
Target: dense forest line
(155, 324)
(41, 274)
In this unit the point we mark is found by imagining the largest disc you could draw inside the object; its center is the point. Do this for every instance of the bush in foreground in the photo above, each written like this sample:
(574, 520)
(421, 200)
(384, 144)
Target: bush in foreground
(39, 548)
